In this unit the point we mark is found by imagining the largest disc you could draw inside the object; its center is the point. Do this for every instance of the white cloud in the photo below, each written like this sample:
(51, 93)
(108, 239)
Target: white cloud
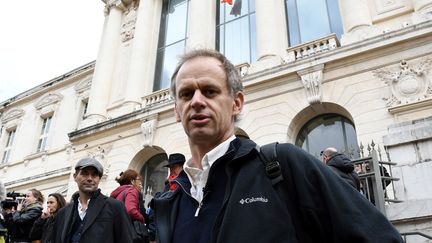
(45, 39)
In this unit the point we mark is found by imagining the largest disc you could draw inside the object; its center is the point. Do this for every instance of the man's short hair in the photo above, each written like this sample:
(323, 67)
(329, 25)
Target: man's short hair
(234, 82)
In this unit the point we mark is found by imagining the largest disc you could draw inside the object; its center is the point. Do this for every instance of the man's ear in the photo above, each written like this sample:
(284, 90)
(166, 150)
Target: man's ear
(238, 102)
(177, 115)
(75, 175)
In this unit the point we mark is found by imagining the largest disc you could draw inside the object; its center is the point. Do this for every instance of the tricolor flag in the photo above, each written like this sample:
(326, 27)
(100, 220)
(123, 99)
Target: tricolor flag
(227, 1)
(236, 9)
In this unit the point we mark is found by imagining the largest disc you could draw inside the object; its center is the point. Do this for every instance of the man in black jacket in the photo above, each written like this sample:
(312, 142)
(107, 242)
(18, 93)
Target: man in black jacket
(224, 193)
(91, 216)
(342, 166)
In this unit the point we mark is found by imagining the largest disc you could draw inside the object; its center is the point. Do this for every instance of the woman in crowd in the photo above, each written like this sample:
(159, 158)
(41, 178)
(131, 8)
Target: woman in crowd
(128, 192)
(43, 226)
(25, 215)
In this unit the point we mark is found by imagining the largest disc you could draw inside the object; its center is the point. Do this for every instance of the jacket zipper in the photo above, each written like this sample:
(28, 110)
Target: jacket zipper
(187, 193)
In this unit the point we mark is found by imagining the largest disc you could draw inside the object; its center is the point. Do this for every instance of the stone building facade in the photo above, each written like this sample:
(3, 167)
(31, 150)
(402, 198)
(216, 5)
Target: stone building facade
(316, 73)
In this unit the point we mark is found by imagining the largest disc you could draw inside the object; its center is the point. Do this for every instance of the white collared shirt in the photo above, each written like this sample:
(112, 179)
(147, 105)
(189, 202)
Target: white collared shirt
(198, 177)
(81, 210)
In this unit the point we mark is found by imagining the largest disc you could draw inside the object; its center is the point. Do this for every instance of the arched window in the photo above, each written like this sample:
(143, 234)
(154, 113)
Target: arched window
(329, 130)
(172, 40)
(309, 20)
(236, 31)
(154, 174)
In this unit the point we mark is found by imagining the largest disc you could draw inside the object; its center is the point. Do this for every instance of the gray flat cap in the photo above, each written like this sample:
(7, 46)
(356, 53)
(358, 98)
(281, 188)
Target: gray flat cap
(86, 162)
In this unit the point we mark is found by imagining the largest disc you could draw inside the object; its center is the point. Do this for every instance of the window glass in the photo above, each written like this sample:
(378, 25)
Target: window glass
(8, 147)
(167, 56)
(236, 31)
(44, 134)
(309, 20)
(328, 130)
(172, 40)
(154, 174)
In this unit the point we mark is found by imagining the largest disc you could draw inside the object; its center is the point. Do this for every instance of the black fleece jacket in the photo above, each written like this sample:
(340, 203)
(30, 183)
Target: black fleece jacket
(311, 204)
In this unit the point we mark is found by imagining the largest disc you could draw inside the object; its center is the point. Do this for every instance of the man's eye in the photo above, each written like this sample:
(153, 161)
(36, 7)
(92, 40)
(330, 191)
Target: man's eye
(209, 92)
(185, 95)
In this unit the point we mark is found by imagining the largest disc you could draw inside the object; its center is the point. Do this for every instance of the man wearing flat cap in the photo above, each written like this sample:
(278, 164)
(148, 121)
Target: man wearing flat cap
(91, 216)
(175, 165)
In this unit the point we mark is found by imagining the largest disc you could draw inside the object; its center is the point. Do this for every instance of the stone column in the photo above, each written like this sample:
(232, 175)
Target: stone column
(271, 29)
(201, 24)
(355, 14)
(143, 57)
(423, 11)
(102, 77)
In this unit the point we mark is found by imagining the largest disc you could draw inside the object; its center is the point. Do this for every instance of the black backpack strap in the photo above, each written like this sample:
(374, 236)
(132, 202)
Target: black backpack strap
(268, 155)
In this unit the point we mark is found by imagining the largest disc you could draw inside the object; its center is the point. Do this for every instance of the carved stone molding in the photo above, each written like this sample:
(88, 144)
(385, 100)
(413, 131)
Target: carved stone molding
(422, 15)
(83, 85)
(312, 80)
(47, 100)
(128, 26)
(408, 84)
(148, 128)
(47, 104)
(13, 114)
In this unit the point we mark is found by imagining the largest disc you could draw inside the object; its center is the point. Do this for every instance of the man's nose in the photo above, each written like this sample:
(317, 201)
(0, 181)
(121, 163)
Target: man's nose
(198, 100)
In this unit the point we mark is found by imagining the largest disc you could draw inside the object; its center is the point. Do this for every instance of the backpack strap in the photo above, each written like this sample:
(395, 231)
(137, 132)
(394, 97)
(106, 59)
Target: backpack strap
(268, 155)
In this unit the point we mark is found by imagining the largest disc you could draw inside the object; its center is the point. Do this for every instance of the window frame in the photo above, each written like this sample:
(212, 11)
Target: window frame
(11, 134)
(43, 138)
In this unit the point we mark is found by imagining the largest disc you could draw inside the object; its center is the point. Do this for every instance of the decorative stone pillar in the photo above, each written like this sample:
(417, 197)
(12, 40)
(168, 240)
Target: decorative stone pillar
(202, 24)
(141, 70)
(355, 14)
(271, 29)
(101, 83)
(423, 10)
(357, 21)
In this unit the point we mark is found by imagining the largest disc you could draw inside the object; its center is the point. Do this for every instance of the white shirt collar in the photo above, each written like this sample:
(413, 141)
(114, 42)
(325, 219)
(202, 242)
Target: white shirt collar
(81, 210)
(198, 177)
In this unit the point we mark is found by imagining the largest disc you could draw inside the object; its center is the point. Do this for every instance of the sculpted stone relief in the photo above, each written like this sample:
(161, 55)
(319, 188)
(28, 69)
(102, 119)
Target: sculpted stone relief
(129, 20)
(312, 80)
(409, 83)
(148, 128)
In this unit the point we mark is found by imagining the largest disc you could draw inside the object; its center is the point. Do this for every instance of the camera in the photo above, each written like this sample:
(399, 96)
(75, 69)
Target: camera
(12, 200)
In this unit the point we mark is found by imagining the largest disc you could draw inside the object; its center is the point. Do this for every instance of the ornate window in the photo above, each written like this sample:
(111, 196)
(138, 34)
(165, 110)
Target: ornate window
(329, 130)
(172, 40)
(236, 31)
(309, 20)
(9, 144)
(46, 123)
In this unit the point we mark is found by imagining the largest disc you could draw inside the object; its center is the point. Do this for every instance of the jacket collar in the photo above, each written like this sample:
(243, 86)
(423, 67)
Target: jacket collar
(242, 146)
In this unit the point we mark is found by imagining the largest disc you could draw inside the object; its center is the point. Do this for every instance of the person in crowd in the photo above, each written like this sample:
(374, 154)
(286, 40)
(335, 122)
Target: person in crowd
(175, 165)
(224, 193)
(3, 230)
(2, 191)
(367, 186)
(150, 219)
(21, 220)
(91, 216)
(342, 166)
(128, 192)
(43, 227)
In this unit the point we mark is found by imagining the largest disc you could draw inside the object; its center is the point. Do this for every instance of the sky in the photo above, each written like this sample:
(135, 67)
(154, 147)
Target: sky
(41, 40)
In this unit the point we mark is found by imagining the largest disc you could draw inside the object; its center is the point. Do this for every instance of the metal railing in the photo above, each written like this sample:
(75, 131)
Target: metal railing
(414, 233)
(376, 176)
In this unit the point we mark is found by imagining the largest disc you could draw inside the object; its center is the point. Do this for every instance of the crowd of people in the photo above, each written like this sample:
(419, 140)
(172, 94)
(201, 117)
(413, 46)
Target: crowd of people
(226, 191)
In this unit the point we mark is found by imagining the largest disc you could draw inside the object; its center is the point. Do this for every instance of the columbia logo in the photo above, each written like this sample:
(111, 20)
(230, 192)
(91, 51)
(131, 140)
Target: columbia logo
(253, 199)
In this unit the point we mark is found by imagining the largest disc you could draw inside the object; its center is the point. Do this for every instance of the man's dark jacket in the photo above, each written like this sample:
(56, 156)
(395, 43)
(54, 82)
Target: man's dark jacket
(311, 204)
(106, 221)
(343, 166)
